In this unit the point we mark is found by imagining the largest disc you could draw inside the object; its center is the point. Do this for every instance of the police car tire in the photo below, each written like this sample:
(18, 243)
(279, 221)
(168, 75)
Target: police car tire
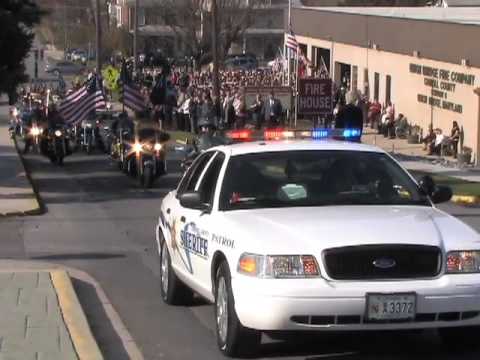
(177, 292)
(458, 338)
(240, 341)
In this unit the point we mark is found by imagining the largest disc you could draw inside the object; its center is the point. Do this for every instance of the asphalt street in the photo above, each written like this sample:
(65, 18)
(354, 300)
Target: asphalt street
(99, 221)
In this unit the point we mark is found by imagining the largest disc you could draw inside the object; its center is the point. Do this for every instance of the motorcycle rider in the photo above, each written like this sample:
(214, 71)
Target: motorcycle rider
(122, 123)
(208, 137)
(36, 118)
(122, 130)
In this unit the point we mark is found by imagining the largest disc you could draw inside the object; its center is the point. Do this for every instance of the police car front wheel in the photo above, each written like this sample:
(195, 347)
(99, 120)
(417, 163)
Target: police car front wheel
(173, 291)
(232, 337)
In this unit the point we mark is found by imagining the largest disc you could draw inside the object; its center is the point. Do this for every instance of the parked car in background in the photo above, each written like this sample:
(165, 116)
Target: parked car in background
(77, 55)
(63, 68)
(241, 62)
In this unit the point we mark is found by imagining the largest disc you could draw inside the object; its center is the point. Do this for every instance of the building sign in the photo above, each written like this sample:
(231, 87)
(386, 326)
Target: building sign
(282, 93)
(314, 96)
(441, 86)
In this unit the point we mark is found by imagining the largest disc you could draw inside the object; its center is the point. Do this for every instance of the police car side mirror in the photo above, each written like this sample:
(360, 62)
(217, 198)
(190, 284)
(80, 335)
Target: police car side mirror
(441, 194)
(427, 185)
(192, 200)
(438, 194)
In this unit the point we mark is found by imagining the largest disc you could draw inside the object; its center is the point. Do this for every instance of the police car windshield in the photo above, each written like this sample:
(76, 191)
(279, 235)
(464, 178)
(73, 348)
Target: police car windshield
(316, 178)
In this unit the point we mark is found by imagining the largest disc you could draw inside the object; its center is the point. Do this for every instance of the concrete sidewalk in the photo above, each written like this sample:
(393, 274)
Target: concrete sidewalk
(16, 193)
(413, 157)
(41, 318)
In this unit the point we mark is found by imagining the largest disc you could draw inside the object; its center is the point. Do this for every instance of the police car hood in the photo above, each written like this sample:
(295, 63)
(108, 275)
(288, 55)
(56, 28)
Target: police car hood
(310, 230)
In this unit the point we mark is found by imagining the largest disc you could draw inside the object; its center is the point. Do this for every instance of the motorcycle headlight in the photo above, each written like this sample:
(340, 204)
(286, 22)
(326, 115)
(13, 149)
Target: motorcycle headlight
(36, 131)
(89, 125)
(137, 147)
(278, 266)
(58, 133)
(158, 147)
(461, 262)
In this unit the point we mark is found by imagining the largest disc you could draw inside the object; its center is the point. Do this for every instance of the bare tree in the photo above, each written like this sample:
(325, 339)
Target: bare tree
(190, 20)
(235, 16)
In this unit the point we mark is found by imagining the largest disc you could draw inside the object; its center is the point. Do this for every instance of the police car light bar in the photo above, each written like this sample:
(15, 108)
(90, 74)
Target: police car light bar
(278, 134)
(240, 135)
(336, 133)
(315, 134)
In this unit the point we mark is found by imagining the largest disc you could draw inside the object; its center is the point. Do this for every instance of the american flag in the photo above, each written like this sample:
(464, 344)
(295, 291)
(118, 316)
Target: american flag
(76, 106)
(131, 96)
(291, 42)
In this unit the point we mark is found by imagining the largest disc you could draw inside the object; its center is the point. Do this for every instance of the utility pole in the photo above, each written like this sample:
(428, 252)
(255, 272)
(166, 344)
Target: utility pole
(98, 37)
(135, 36)
(216, 85)
(65, 45)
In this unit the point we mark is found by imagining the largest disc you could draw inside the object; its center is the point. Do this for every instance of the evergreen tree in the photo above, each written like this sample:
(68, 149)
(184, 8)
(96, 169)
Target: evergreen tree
(17, 19)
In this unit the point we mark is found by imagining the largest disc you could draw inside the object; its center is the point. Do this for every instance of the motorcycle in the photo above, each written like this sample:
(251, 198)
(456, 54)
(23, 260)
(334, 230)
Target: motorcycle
(56, 145)
(89, 135)
(32, 138)
(16, 128)
(146, 158)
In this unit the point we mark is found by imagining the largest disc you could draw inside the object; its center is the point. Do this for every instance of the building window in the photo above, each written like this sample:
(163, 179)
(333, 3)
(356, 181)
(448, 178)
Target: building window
(119, 16)
(376, 87)
(354, 77)
(321, 58)
(388, 90)
(366, 84)
(141, 16)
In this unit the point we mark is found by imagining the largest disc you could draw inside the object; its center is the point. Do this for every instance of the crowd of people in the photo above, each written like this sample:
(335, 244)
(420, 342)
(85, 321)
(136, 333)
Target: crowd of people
(390, 125)
(189, 99)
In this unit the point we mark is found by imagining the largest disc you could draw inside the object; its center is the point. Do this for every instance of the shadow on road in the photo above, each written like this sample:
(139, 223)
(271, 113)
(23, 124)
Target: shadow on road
(81, 256)
(419, 345)
(107, 338)
(93, 179)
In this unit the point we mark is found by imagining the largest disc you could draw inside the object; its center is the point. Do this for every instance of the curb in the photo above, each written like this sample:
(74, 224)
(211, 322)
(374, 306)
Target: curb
(83, 341)
(465, 199)
(39, 208)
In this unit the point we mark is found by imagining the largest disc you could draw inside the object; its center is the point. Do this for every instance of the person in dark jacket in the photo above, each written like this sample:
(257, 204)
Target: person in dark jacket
(273, 110)
(350, 116)
(257, 112)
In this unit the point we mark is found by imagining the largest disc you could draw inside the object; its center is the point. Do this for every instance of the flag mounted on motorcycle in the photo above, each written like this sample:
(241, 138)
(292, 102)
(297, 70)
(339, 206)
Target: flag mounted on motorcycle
(130, 94)
(78, 105)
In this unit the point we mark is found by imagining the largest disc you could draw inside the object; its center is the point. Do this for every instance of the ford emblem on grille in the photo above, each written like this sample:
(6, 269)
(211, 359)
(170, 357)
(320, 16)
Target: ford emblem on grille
(384, 263)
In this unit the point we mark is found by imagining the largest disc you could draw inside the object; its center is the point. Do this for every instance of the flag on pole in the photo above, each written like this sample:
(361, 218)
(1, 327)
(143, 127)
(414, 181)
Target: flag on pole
(292, 43)
(131, 96)
(304, 63)
(323, 69)
(80, 103)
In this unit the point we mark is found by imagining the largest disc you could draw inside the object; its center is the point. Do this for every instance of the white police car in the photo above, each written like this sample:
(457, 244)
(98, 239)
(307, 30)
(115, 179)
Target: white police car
(316, 235)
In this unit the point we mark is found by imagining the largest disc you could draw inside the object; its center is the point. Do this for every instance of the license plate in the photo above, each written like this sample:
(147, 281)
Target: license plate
(391, 306)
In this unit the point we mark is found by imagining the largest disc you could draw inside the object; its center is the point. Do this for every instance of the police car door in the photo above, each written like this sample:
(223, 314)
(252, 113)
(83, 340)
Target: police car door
(205, 220)
(187, 245)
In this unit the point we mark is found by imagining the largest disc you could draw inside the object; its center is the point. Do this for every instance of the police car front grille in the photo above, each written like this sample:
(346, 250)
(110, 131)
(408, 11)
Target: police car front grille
(328, 320)
(357, 262)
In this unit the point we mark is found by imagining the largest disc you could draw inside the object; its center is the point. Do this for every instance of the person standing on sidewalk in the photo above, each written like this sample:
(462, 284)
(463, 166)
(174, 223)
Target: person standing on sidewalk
(455, 138)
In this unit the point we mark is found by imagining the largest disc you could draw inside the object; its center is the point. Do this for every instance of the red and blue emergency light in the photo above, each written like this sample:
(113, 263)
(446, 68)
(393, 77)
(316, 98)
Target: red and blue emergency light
(246, 135)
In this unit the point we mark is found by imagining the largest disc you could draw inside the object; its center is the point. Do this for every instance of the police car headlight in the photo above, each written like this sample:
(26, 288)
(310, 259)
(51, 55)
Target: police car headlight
(278, 266)
(461, 262)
